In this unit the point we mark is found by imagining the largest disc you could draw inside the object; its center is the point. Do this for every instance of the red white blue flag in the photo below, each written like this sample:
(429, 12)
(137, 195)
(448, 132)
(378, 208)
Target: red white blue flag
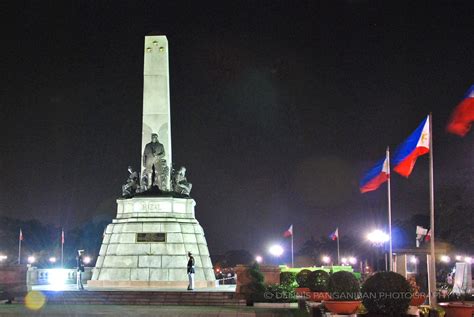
(335, 235)
(417, 144)
(289, 232)
(463, 115)
(375, 177)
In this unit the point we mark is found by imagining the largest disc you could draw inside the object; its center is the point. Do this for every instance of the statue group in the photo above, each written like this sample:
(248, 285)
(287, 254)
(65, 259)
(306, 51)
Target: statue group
(155, 173)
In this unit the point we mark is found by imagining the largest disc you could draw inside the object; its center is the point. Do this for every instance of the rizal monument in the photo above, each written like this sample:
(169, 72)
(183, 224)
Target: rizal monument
(146, 245)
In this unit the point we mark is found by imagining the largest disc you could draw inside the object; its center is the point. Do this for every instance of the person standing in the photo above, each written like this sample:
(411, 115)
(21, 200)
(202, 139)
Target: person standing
(191, 271)
(80, 269)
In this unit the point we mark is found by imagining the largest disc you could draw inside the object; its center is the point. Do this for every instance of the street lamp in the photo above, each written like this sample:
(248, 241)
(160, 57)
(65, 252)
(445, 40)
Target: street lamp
(344, 261)
(377, 238)
(445, 259)
(3, 258)
(326, 259)
(87, 260)
(31, 259)
(352, 260)
(52, 259)
(258, 259)
(276, 250)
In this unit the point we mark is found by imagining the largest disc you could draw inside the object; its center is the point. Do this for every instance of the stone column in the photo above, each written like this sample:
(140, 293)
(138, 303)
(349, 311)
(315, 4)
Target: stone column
(156, 96)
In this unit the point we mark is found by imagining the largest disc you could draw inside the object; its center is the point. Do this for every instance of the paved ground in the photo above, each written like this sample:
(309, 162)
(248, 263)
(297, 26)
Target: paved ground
(144, 311)
(72, 287)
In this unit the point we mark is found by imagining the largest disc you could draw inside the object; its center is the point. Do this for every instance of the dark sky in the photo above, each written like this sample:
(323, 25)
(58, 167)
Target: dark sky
(277, 107)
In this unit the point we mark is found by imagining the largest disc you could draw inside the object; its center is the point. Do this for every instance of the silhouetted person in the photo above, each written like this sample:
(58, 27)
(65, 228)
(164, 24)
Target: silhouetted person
(191, 271)
(80, 269)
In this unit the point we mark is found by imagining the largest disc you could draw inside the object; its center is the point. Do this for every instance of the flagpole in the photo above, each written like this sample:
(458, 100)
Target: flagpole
(389, 196)
(432, 266)
(62, 248)
(19, 247)
(292, 256)
(338, 257)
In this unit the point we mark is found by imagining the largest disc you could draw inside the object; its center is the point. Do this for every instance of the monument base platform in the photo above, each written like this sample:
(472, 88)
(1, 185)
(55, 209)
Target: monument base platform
(149, 284)
(146, 245)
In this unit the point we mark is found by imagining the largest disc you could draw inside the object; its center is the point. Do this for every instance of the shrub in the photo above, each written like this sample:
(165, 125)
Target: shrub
(317, 281)
(302, 278)
(343, 286)
(386, 293)
(256, 287)
(287, 278)
(279, 294)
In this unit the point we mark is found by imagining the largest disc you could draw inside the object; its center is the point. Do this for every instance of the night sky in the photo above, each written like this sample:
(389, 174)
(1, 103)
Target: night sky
(277, 108)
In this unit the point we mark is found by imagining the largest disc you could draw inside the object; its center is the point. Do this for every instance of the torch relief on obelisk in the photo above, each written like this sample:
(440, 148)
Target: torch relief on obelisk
(156, 131)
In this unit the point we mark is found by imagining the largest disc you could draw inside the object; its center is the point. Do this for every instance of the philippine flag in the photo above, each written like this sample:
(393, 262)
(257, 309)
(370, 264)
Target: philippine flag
(375, 177)
(335, 235)
(463, 115)
(417, 144)
(289, 232)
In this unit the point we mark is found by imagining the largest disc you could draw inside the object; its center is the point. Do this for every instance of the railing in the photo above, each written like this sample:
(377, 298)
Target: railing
(37, 276)
(222, 281)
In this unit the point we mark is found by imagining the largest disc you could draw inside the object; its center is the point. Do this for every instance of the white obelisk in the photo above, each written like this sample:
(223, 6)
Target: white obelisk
(156, 96)
(146, 245)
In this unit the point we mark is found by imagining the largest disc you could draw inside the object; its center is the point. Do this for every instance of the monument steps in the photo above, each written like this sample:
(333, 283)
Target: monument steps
(187, 298)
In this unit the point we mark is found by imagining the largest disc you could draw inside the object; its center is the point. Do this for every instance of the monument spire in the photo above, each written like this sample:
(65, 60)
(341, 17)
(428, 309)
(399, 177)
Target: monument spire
(156, 127)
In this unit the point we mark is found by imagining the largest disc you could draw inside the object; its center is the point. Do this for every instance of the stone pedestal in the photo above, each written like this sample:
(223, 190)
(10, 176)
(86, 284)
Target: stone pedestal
(271, 275)
(13, 281)
(147, 245)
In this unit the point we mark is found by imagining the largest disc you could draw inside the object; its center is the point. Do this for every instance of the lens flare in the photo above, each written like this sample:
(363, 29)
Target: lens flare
(35, 300)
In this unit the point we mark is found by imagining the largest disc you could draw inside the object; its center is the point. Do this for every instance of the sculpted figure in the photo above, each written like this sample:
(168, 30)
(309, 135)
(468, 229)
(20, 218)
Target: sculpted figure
(180, 183)
(131, 186)
(153, 155)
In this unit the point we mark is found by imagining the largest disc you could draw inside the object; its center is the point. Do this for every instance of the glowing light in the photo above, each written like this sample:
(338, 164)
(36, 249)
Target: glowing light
(445, 259)
(35, 300)
(344, 260)
(414, 260)
(87, 260)
(52, 259)
(378, 237)
(352, 260)
(326, 259)
(468, 259)
(458, 258)
(259, 259)
(276, 250)
(31, 259)
(57, 277)
(3, 257)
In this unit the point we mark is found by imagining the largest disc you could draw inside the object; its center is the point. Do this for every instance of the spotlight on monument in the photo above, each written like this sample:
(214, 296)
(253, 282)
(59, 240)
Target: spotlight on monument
(259, 259)
(87, 260)
(352, 260)
(468, 259)
(276, 250)
(378, 237)
(445, 259)
(57, 277)
(52, 259)
(31, 259)
(326, 259)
